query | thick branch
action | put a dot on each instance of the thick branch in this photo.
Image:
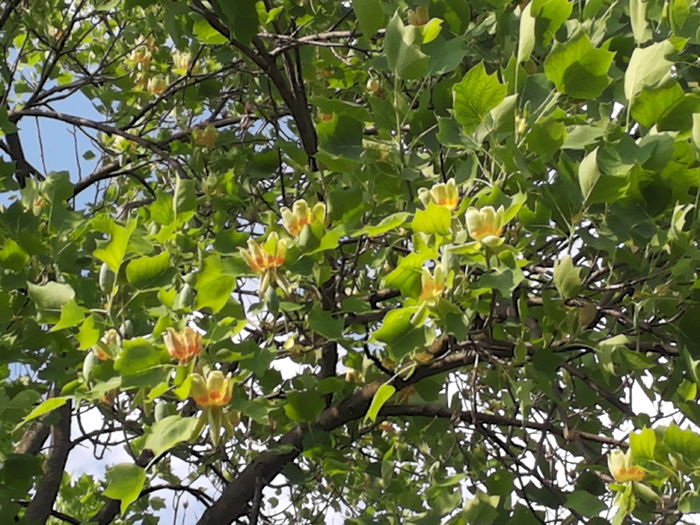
(237, 495)
(33, 438)
(40, 507)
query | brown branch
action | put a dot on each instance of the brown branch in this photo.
(39, 509)
(237, 495)
(33, 438)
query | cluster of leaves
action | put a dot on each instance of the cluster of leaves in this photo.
(393, 367)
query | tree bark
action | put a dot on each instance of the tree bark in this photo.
(40, 507)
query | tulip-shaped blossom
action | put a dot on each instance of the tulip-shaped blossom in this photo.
(300, 215)
(183, 345)
(205, 136)
(108, 346)
(266, 257)
(486, 225)
(442, 194)
(214, 391)
(432, 285)
(621, 467)
(157, 85)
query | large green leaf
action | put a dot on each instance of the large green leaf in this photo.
(303, 406)
(434, 219)
(648, 66)
(214, 284)
(577, 68)
(169, 432)
(402, 48)
(136, 356)
(124, 482)
(370, 16)
(381, 396)
(399, 334)
(112, 251)
(150, 272)
(476, 94)
(242, 18)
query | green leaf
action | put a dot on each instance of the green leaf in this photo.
(322, 322)
(643, 444)
(388, 223)
(475, 96)
(184, 200)
(526, 38)
(341, 136)
(647, 67)
(381, 396)
(685, 444)
(402, 49)
(71, 315)
(168, 432)
(653, 102)
(303, 406)
(407, 275)
(577, 68)
(588, 173)
(585, 503)
(434, 219)
(112, 252)
(124, 482)
(46, 406)
(553, 13)
(136, 356)
(13, 257)
(370, 16)
(696, 130)
(242, 18)
(206, 34)
(88, 334)
(214, 285)
(567, 278)
(638, 18)
(50, 298)
(149, 272)
(399, 334)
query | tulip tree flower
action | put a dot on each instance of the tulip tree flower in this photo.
(205, 136)
(266, 259)
(182, 62)
(108, 346)
(300, 215)
(432, 285)
(183, 345)
(157, 85)
(214, 391)
(269, 256)
(621, 467)
(442, 194)
(486, 225)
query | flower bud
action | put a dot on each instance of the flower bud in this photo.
(419, 16)
(621, 467)
(486, 225)
(184, 345)
(215, 391)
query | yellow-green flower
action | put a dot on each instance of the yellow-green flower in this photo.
(300, 215)
(486, 225)
(432, 285)
(215, 391)
(621, 467)
(183, 345)
(442, 194)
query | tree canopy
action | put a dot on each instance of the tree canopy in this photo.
(373, 261)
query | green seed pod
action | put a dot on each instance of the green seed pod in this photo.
(106, 279)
